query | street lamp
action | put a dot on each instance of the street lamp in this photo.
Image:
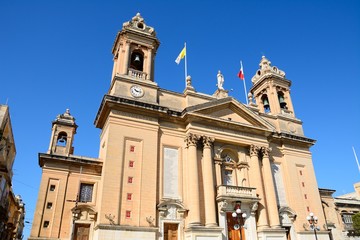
(75, 215)
(239, 218)
(313, 220)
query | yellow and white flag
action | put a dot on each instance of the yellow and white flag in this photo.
(182, 54)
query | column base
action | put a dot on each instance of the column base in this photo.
(210, 225)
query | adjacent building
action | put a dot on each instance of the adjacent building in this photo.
(12, 209)
(183, 165)
(339, 211)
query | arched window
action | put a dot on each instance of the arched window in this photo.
(62, 139)
(265, 102)
(282, 100)
(228, 168)
(137, 61)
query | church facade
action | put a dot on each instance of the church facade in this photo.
(180, 165)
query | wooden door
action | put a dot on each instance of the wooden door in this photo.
(234, 234)
(170, 231)
(82, 232)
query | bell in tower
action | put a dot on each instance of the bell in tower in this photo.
(266, 104)
(137, 61)
(63, 131)
(282, 100)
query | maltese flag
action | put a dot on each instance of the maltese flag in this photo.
(241, 72)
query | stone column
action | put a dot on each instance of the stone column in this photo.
(208, 175)
(193, 182)
(270, 189)
(256, 181)
(126, 58)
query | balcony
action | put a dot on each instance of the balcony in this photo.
(236, 193)
(137, 74)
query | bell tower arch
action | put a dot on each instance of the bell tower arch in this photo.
(271, 90)
(62, 137)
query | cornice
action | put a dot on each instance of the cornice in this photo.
(93, 164)
(293, 138)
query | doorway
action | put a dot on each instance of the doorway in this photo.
(82, 231)
(171, 231)
(235, 233)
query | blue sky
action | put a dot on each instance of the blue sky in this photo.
(57, 54)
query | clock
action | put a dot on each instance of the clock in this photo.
(228, 158)
(136, 91)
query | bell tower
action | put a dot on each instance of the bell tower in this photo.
(63, 131)
(134, 53)
(271, 90)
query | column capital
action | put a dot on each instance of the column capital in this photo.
(265, 151)
(191, 139)
(254, 150)
(207, 141)
(254, 207)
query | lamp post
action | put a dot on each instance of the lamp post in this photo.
(313, 220)
(239, 218)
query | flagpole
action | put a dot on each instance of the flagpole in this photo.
(356, 158)
(185, 63)
(246, 97)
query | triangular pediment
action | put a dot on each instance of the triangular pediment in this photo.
(231, 111)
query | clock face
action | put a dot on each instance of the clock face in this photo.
(137, 91)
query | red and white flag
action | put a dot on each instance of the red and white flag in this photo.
(241, 72)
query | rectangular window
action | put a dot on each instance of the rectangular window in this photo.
(305, 196)
(131, 164)
(308, 209)
(46, 224)
(52, 188)
(128, 214)
(130, 179)
(300, 173)
(129, 196)
(49, 205)
(86, 192)
(303, 184)
(132, 148)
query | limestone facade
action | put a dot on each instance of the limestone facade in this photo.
(12, 208)
(339, 211)
(180, 165)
